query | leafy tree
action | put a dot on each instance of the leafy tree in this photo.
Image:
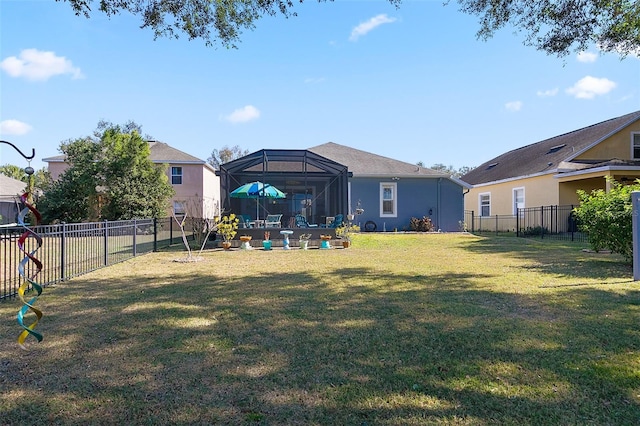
(553, 26)
(606, 217)
(111, 177)
(134, 185)
(449, 169)
(226, 154)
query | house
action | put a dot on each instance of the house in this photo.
(549, 172)
(197, 188)
(10, 191)
(331, 179)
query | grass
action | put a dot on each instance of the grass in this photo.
(398, 330)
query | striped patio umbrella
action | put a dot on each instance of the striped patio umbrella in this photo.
(257, 190)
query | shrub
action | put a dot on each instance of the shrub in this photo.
(535, 231)
(421, 225)
(607, 218)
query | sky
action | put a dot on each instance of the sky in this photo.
(411, 83)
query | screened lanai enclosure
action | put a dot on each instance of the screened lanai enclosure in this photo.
(315, 186)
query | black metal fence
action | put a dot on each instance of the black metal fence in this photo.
(553, 222)
(69, 250)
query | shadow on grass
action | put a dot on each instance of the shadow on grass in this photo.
(352, 346)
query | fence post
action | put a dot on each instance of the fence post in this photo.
(170, 232)
(473, 221)
(106, 243)
(517, 221)
(63, 249)
(542, 222)
(135, 234)
(635, 230)
(155, 234)
(572, 224)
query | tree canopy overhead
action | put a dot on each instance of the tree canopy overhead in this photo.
(554, 26)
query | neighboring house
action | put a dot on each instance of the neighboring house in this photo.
(197, 188)
(551, 171)
(331, 179)
(10, 191)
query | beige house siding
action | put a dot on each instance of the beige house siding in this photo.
(617, 145)
(56, 168)
(605, 152)
(568, 188)
(199, 192)
(538, 191)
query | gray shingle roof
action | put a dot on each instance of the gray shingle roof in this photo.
(362, 163)
(10, 187)
(547, 155)
(160, 152)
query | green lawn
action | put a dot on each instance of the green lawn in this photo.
(397, 330)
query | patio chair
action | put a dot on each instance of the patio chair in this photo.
(337, 221)
(245, 221)
(301, 222)
(273, 221)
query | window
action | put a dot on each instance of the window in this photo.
(518, 199)
(388, 200)
(485, 204)
(176, 175)
(635, 146)
(178, 207)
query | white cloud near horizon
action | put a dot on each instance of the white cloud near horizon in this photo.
(587, 57)
(14, 127)
(547, 93)
(513, 106)
(37, 65)
(243, 115)
(589, 87)
(365, 27)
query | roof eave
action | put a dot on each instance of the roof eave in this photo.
(597, 170)
(511, 179)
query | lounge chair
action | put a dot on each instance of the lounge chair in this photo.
(337, 221)
(245, 221)
(301, 222)
(273, 221)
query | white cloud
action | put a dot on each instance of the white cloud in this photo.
(370, 25)
(242, 115)
(14, 127)
(314, 80)
(587, 57)
(513, 105)
(37, 65)
(547, 93)
(590, 87)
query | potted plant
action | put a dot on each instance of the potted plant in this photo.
(325, 244)
(304, 241)
(227, 228)
(266, 243)
(245, 245)
(345, 232)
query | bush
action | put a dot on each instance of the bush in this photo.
(534, 231)
(421, 225)
(607, 218)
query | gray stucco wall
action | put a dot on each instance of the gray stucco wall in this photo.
(415, 197)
